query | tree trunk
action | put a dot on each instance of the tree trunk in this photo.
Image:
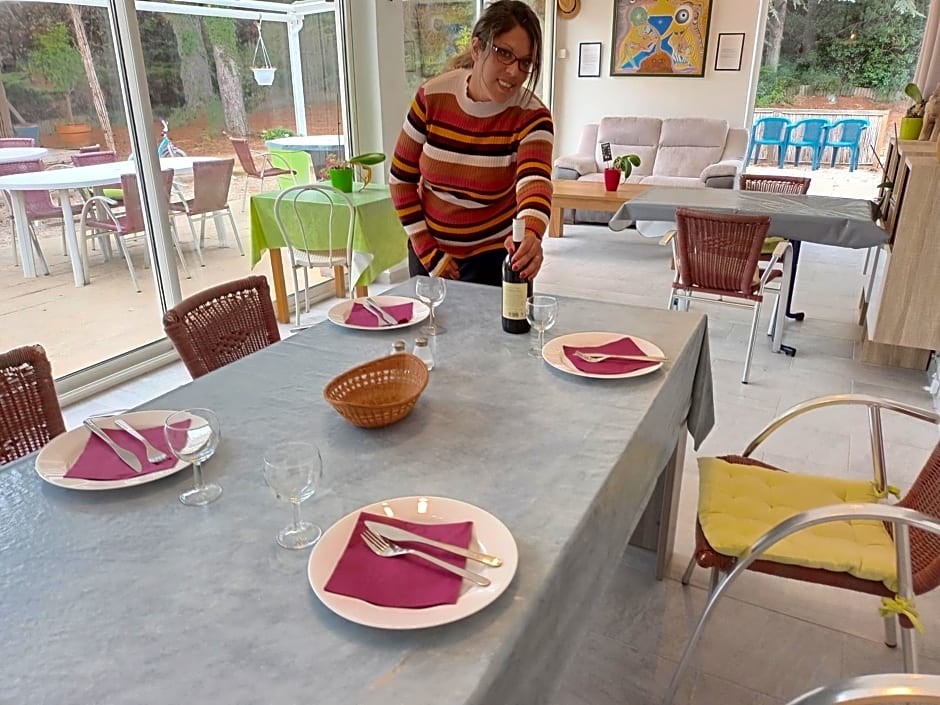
(97, 95)
(809, 32)
(6, 122)
(194, 61)
(221, 36)
(775, 21)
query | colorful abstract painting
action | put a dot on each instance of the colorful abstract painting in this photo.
(660, 37)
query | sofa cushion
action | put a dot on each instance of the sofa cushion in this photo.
(630, 135)
(688, 145)
(680, 181)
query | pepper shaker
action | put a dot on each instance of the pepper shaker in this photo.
(423, 352)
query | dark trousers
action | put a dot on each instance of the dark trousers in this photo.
(484, 268)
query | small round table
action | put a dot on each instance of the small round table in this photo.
(19, 154)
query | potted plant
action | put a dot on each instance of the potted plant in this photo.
(913, 121)
(56, 65)
(340, 171)
(622, 165)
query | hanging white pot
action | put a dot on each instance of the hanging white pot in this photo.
(263, 70)
(264, 75)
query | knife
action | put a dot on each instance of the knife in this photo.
(129, 458)
(395, 534)
(371, 305)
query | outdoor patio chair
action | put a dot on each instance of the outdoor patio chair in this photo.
(17, 142)
(89, 158)
(748, 510)
(846, 134)
(247, 159)
(222, 324)
(770, 132)
(211, 181)
(30, 415)
(809, 133)
(89, 148)
(307, 250)
(716, 258)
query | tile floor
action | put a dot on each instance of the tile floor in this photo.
(770, 639)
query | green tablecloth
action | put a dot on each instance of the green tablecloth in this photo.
(379, 240)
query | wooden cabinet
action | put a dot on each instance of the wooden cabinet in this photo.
(901, 294)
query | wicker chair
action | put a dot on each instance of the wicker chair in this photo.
(30, 414)
(247, 159)
(716, 257)
(222, 324)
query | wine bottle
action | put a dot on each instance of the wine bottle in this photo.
(516, 290)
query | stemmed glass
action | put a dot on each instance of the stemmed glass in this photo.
(193, 436)
(540, 312)
(293, 472)
(431, 291)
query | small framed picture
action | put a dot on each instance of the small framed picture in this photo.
(589, 60)
(729, 52)
(605, 152)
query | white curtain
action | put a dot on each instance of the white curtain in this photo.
(927, 75)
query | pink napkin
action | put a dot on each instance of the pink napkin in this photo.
(623, 346)
(98, 462)
(361, 316)
(403, 581)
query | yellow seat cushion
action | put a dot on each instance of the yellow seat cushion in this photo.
(770, 244)
(740, 503)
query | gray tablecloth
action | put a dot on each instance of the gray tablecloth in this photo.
(844, 222)
(129, 597)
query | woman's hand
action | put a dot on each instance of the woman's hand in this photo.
(527, 260)
(450, 270)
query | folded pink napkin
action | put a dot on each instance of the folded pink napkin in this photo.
(403, 581)
(623, 346)
(98, 462)
(361, 316)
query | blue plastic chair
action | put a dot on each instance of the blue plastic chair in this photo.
(812, 134)
(848, 134)
(770, 131)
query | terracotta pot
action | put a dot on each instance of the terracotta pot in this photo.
(612, 179)
(73, 134)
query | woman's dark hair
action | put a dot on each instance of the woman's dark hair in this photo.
(498, 18)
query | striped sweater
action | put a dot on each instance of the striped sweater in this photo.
(463, 170)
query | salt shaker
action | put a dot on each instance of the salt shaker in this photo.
(398, 347)
(423, 352)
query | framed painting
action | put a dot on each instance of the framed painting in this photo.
(660, 37)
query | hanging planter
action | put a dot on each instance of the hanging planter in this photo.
(263, 71)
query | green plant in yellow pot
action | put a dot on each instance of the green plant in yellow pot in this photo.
(913, 121)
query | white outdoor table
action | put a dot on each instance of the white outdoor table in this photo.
(311, 144)
(129, 597)
(18, 154)
(63, 180)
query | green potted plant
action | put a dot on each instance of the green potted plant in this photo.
(340, 171)
(913, 121)
(621, 165)
(56, 65)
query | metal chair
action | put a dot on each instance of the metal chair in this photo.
(809, 133)
(885, 688)
(716, 257)
(17, 142)
(222, 324)
(211, 181)
(307, 252)
(771, 132)
(846, 134)
(247, 159)
(30, 415)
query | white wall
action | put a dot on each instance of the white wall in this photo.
(719, 94)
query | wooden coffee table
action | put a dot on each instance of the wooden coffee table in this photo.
(587, 194)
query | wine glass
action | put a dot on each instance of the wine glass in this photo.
(431, 291)
(193, 436)
(540, 312)
(293, 471)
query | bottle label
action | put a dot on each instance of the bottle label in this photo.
(514, 298)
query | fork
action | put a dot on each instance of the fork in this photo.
(154, 455)
(387, 549)
(599, 357)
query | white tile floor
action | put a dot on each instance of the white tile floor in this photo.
(772, 639)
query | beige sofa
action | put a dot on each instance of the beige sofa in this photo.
(697, 152)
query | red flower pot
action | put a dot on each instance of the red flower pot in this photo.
(612, 179)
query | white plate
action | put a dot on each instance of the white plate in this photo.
(554, 354)
(59, 454)
(340, 311)
(490, 535)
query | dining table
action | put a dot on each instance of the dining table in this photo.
(379, 240)
(128, 596)
(314, 145)
(18, 154)
(63, 181)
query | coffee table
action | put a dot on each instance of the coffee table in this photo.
(587, 194)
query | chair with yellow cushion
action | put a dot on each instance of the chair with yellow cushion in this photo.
(742, 500)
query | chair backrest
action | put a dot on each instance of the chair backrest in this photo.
(243, 152)
(17, 142)
(89, 158)
(883, 688)
(924, 496)
(29, 409)
(132, 220)
(771, 128)
(211, 181)
(849, 130)
(719, 251)
(222, 324)
(810, 130)
(775, 184)
(89, 148)
(39, 204)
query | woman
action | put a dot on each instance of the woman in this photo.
(475, 153)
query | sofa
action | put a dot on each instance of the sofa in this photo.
(696, 152)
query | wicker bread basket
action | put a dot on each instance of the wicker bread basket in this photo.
(379, 392)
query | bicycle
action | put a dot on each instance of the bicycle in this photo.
(166, 148)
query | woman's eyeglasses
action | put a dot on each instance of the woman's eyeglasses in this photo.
(507, 58)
